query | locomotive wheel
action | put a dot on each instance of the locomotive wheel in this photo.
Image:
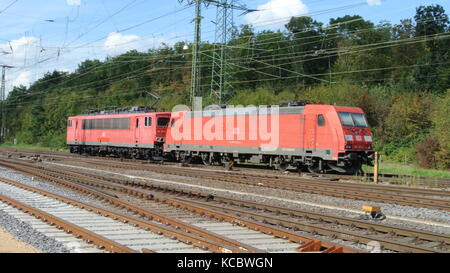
(282, 166)
(314, 169)
(355, 168)
(217, 161)
(186, 159)
(206, 160)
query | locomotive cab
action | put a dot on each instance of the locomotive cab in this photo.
(358, 140)
(336, 138)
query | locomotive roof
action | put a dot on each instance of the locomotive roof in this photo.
(247, 111)
(266, 110)
(120, 113)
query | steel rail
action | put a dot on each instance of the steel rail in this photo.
(264, 228)
(198, 241)
(373, 227)
(309, 186)
(389, 230)
(69, 155)
(439, 240)
(292, 212)
(395, 245)
(235, 245)
(68, 227)
(289, 180)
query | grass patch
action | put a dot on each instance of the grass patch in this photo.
(32, 147)
(410, 170)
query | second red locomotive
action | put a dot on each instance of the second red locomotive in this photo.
(126, 133)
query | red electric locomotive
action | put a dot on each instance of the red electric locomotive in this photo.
(316, 137)
(130, 133)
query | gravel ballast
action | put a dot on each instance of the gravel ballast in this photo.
(412, 217)
(24, 232)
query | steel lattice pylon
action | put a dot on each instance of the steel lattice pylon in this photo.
(2, 104)
(224, 31)
(220, 78)
(195, 73)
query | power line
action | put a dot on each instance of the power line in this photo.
(344, 51)
(2, 103)
(7, 7)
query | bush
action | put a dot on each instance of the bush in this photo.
(408, 119)
(426, 152)
(404, 155)
(440, 117)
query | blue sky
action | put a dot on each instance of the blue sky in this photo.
(38, 36)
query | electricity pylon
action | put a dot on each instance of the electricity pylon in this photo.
(221, 66)
(224, 28)
(2, 104)
(195, 72)
(220, 71)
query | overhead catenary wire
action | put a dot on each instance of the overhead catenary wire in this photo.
(288, 63)
(276, 55)
(125, 92)
(142, 23)
(352, 20)
(290, 77)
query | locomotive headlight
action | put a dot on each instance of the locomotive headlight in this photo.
(349, 137)
(348, 146)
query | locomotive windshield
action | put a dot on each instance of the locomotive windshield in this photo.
(352, 119)
(163, 121)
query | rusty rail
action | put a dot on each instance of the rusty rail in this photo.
(373, 227)
(422, 180)
(200, 242)
(68, 227)
(384, 194)
(264, 228)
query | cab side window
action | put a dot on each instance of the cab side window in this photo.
(148, 121)
(69, 123)
(320, 120)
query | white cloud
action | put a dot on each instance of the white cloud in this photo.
(20, 47)
(276, 12)
(21, 52)
(24, 78)
(73, 2)
(119, 43)
(32, 59)
(373, 2)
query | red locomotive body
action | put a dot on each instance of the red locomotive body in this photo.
(138, 135)
(319, 137)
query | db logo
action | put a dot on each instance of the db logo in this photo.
(74, 247)
(373, 247)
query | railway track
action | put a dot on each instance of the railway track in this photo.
(416, 197)
(70, 242)
(394, 179)
(387, 178)
(252, 237)
(93, 224)
(351, 230)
